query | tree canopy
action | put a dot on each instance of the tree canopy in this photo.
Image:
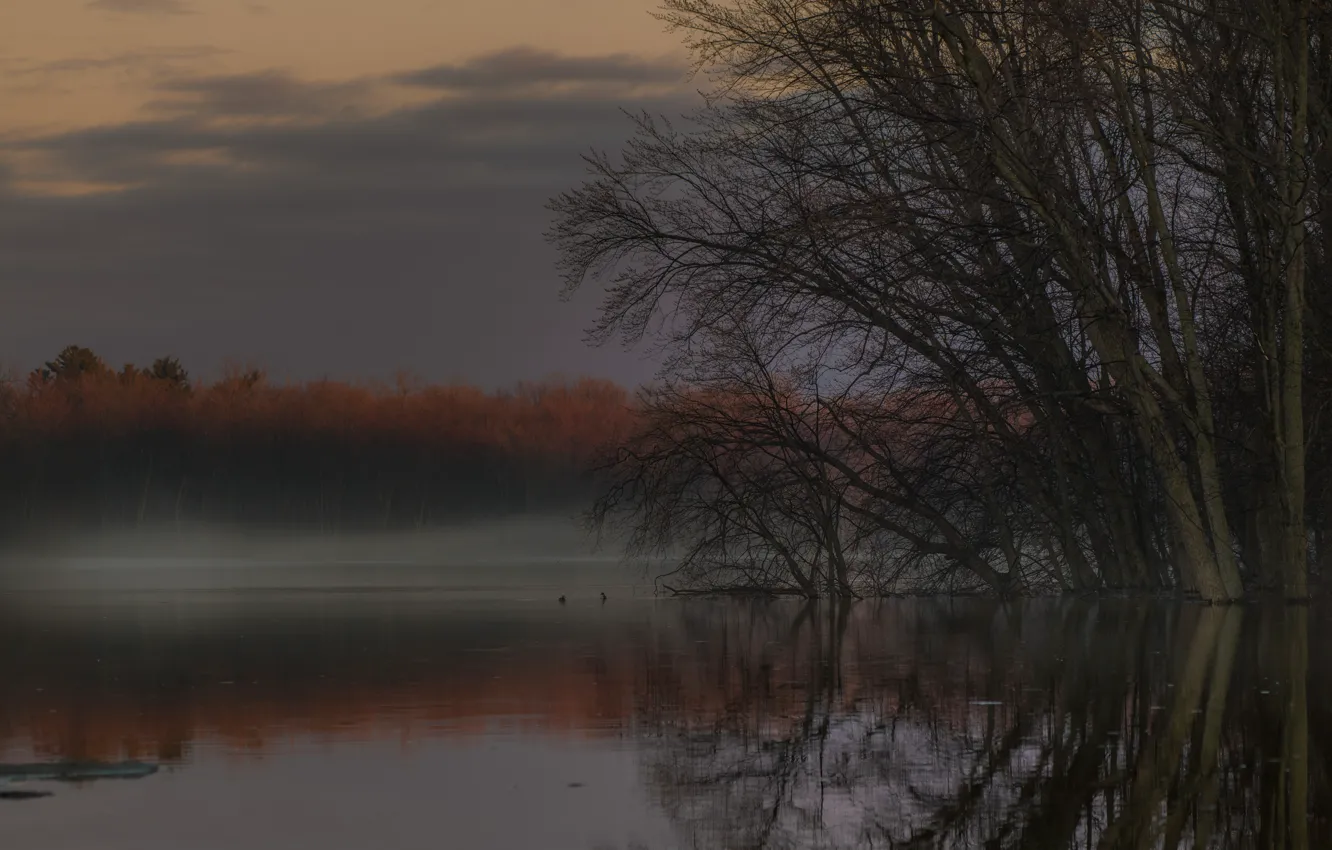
(1047, 274)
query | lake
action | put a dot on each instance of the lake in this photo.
(342, 703)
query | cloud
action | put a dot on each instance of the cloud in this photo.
(263, 94)
(526, 67)
(149, 7)
(151, 60)
(267, 222)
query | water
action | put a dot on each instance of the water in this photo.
(480, 713)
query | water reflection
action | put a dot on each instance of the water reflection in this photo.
(925, 724)
(1111, 726)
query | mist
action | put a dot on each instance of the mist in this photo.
(530, 556)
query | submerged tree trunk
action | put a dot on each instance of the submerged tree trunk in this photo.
(1287, 792)
(1203, 678)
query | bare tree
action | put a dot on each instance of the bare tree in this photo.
(1059, 216)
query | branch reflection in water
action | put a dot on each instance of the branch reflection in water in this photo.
(903, 723)
(1108, 726)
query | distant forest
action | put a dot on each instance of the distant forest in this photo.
(83, 444)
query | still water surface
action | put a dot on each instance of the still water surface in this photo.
(403, 713)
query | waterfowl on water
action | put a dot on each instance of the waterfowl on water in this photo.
(603, 597)
(562, 600)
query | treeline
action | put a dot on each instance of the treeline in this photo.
(81, 443)
(1001, 294)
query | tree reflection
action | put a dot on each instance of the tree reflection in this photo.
(1044, 724)
(1100, 725)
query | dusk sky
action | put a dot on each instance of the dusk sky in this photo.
(318, 187)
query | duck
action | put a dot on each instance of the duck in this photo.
(562, 599)
(603, 596)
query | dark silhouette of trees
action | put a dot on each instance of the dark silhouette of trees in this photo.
(72, 363)
(1092, 232)
(169, 371)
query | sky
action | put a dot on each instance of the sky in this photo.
(322, 188)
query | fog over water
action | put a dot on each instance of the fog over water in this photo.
(524, 555)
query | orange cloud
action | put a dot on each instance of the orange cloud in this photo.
(150, 7)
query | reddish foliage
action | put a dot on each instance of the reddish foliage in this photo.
(126, 446)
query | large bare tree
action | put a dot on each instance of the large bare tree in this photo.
(1083, 224)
